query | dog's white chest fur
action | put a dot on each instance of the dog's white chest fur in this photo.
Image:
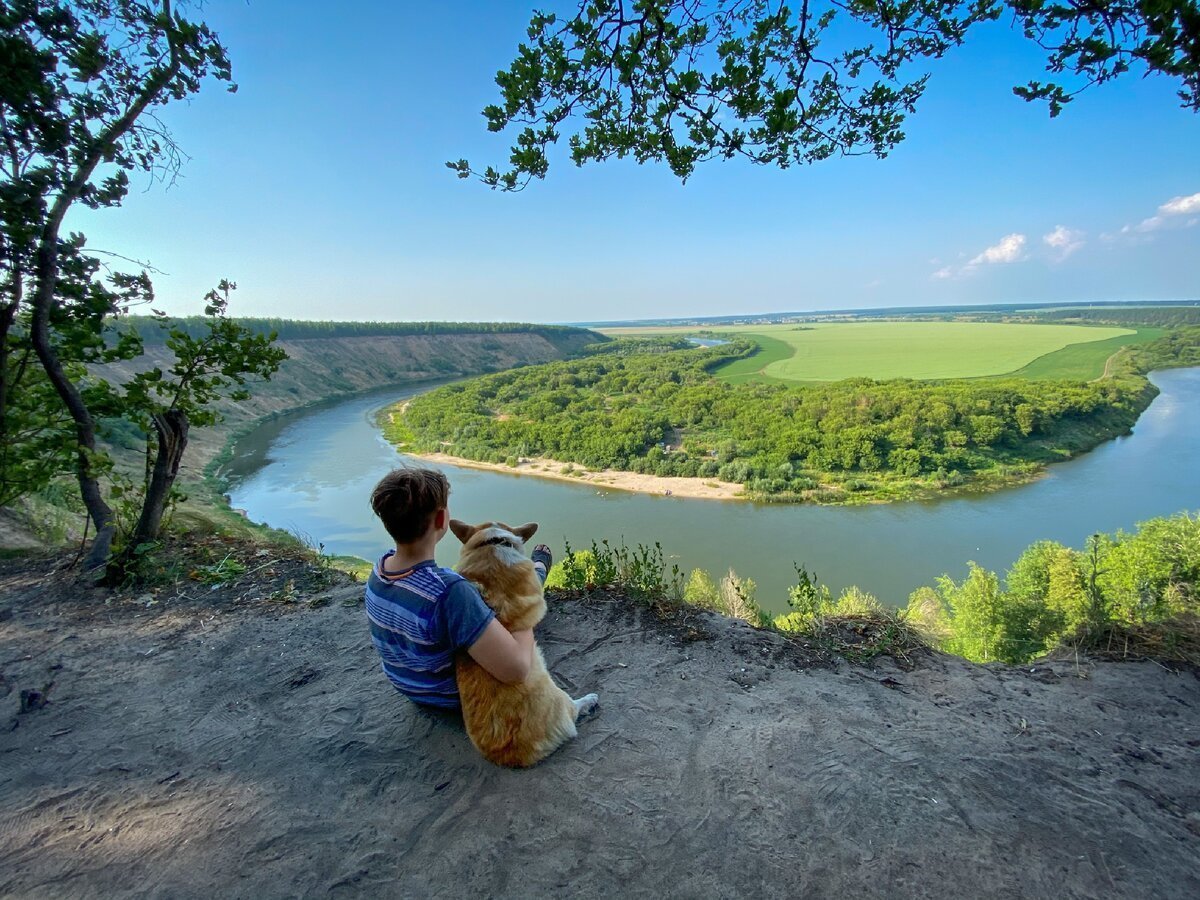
(510, 556)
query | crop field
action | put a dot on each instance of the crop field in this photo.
(1086, 361)
(922, 350)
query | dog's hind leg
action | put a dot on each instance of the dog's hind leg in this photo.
(585, 705)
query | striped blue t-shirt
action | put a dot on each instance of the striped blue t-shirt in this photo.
(419, 618)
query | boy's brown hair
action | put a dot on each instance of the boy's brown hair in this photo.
(406, 499)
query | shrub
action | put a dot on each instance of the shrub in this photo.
(642, 571)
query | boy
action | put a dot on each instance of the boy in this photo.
(420, 613)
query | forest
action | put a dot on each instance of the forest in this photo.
(1177, 348)
(652, 406)
(1127, 315)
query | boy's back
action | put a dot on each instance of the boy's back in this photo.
(420, 613)
(419, 617)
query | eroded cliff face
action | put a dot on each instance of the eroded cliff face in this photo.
(321, 368)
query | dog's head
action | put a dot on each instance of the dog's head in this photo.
(493, 556)
(493, 534)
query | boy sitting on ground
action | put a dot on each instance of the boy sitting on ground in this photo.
(421, 614)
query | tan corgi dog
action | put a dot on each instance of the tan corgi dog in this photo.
(511, 724)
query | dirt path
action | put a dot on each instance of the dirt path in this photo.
(193, 753)
(1108, 364)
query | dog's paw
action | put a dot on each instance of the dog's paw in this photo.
(586, 705)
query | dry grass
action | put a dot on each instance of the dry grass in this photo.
(862, 638)
(1176, 640)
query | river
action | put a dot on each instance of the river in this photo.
(312, 472)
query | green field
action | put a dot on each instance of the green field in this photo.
(771, 351)
(1084, 362)
(922, 350)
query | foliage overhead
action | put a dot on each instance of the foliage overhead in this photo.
(686, 81)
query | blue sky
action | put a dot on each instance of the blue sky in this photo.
(320, 188)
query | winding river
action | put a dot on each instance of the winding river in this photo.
(311, 473)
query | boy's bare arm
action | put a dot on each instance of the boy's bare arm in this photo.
(506, 656)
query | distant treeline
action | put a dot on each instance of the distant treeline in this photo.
(298, 330)
(651, 406)
(1129, 315)
(994, 312)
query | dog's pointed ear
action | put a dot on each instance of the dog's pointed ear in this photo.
(525, 532)
(461, 530)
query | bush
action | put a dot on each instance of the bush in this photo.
(1147, 582)
(701, 591)
(737, 599)
(642, 571)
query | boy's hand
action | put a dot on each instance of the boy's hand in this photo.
(506, 657)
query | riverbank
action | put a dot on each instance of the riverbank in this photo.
(540, 467)
(199, 749)
(823, 445)
(324, 369)
(828, 494)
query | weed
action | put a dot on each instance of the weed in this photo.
(224, 572)
(641, 571)
(285, 594)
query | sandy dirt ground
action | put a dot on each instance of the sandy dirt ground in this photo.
(696, 488)
(259, 752)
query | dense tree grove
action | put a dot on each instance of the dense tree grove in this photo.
(1053, 594)
(1177, 348)
(652, 406)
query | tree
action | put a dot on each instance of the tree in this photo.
(167, 404)
(701, 590)
(78, 92)
(686, 81)
(977, 613)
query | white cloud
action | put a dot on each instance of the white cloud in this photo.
(1180, 206)
(1063, 241)
(1010, 248)
(1168, 214)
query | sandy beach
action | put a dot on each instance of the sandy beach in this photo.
(540, 467)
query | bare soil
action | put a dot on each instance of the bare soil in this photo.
(217, 743)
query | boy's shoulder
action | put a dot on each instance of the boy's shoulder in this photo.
(428, 580)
